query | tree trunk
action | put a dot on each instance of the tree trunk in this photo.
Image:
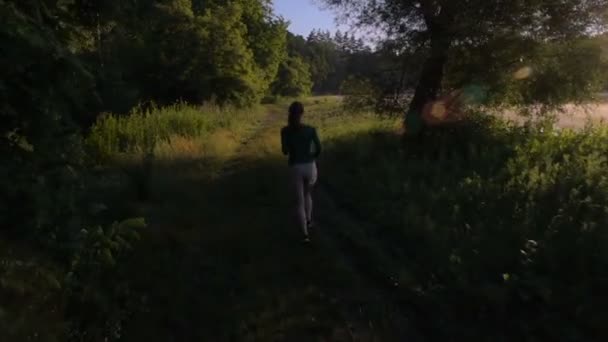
(429, 84)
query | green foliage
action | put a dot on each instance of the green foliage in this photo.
(43, 94)
(31, 288)
(494, 231)
(144, 130)
(293, 79)
(527, 73)
(358, 93)
(502, 226)
(100, 299)
(87, 302)
(323, 56)
(47, 94)
(490, 38)
(228, 52)
(332, 59)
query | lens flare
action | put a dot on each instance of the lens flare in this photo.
(439, 110)
(523, 73)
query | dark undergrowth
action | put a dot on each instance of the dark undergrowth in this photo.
(491, 232)
(223, 260)
(223, 263)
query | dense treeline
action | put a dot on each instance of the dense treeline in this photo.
(196, 51)
(65, 62)
(331, 57)
(334, 59)
(528, 73)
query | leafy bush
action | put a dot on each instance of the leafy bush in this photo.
(40, 144)
(31, 289)
(494, 232)
(45, 95)
(293, 78)
(99, 297)
(359, 93)
(86, 300)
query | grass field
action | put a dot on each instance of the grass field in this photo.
(222, 259)
(454, 237)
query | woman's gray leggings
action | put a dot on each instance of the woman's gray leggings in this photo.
(303, 178)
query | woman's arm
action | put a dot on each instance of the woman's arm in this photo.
(317, 142)
(284, 147)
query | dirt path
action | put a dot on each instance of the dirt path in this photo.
(258, 131)
(371, 298)
(378, 310)
(340, 288)
(227, 262)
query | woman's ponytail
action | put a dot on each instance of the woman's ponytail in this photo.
(295, 114)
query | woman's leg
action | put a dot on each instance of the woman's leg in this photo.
(308, 202)
(299, 191)
(311, 179)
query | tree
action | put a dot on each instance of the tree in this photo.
(293, 79)
(66, 61)
(323, 57)
(169, 50)
(440, 26)
(43, 94)
(333, 59)
(266, 37)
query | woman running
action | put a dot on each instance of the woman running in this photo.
(301, 143)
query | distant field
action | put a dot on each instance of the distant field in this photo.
(574, 116)
(578, 117)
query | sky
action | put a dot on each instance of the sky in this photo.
(305, 15)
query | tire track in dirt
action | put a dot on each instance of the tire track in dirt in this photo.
(342, 232)
(372, 284)
(357, 249)
(257, 132)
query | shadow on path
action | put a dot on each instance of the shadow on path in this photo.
(223, 260)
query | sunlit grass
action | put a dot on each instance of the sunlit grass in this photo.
(180, 131)
(334, 121)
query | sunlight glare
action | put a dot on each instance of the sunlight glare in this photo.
(523, 73)
(439, 110)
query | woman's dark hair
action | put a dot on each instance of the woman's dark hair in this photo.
(295, 114)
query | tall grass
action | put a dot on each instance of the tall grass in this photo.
(497, 231)
(179, 128)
